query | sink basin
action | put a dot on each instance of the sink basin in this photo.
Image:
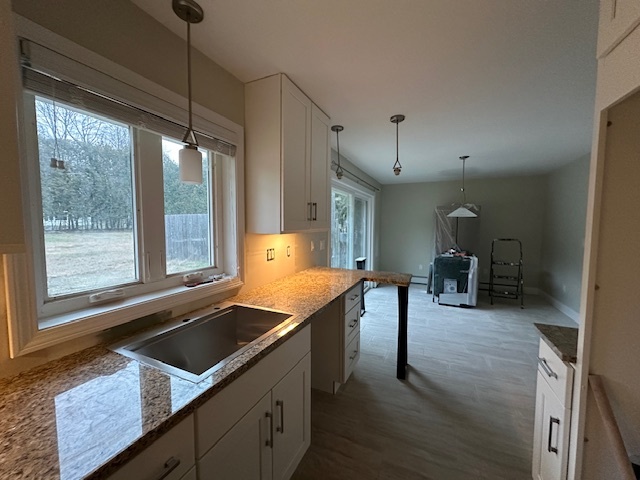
(195, 348)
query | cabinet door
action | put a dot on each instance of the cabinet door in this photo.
(296, 149)
(244, 452)
(551, 435)
(320, 168)
(617, 19)
(291, 419)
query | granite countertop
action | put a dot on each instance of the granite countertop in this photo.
(562, 340)
(88, 413)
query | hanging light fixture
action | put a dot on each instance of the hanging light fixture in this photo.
(396, 166)
(338, 129)
(462, 210)
(190, 159)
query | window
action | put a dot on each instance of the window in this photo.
(350, 226)
(188, 214)
(111, 230)
(87, 200)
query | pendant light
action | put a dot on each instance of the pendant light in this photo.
(190, 159)
(462, 210)
(396, 166)
(338, 129)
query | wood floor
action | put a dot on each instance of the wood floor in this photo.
(465, 410)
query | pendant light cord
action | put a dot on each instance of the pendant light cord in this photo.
(397, 143)
(189, 70)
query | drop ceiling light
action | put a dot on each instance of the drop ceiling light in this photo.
(463, 210)
(396, 166)
(190, 159)
(338, 129)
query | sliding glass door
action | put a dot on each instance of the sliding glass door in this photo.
(351, 214)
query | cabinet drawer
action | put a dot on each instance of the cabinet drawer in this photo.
(172, 455)
(351, 324)
(352, 298)
(558, 374)
(351, 356)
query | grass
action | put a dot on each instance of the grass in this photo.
(78, 261)
(87, 260)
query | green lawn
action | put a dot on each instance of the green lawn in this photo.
(86, 260)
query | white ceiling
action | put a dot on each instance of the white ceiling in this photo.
(509, 82)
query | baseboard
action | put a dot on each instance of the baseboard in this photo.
(569, 312)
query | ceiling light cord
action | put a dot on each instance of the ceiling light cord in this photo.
(190, 135)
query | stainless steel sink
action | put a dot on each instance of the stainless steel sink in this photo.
(194, 348)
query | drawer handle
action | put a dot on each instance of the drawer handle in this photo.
(547, 369)
(309, 216)
(354, 323)
(280, 404)
(355, 354)
(354, 297)
(269, 442)
(552, 420)
(169, 466)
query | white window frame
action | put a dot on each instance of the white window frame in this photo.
(348, 186)
(26, 334)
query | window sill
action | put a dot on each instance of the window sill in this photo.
(27, 336)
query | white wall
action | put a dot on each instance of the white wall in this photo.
(563, 235)
(512, 207)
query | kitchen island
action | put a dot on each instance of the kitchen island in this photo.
(87, 414)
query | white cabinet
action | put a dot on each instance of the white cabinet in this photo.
(335, 349)
(617, 19)
(171, 457)
(287, 159)
(245, 452)
(259, 427)
(552, 416)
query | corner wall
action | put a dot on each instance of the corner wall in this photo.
(564, 234)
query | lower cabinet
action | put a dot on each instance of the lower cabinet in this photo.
(335, 346)
(268, 439)
(552, 416)
(171, 457)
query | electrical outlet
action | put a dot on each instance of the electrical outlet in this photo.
(271, 254)
(321, 245)
(420, 267)
(313, 246)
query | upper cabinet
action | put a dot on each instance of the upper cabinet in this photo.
(287, 159)
(617, 19)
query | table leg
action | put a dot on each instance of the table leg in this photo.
(403, 307)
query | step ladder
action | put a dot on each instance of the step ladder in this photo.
(505, 279)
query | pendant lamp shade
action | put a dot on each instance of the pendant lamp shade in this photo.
(190, 162)
(462, 211)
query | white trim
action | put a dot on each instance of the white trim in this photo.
(24, 337)
(22, 316)
(569, 312)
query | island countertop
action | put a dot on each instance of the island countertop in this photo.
(88, 413)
